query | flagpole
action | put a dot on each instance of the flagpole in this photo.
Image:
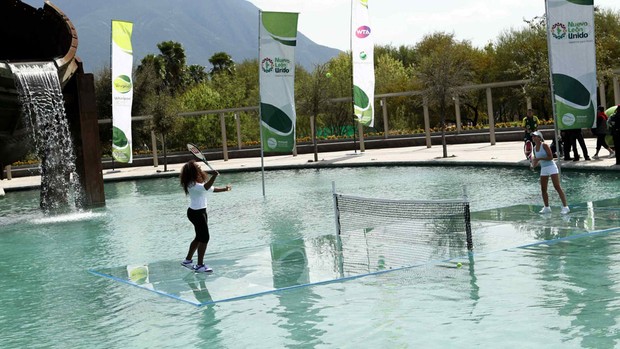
(553, 108)
(352, 80)
(112, 79)
(260, 114)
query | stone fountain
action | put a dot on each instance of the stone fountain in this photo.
(40, 37)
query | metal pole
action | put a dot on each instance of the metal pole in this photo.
(154, 147)
(238, 122)
(491, 117)
(260, 117)
(385, 117)
(224, 140)
(427, 122)
(555, 121)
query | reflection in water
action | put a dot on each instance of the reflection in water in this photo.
(299, 313)
(580, 272)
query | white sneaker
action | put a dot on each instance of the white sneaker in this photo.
(187, 263)
(545, 209)
(565, 210)
(202, 268)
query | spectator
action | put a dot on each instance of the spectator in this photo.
(530, 124)
(600, 131)
(614, 128)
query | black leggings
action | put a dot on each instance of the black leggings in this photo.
(200, 221)
(600, 142)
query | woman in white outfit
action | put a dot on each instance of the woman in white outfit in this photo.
(548, 168)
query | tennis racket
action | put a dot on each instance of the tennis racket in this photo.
(197, 153)
(527, 150)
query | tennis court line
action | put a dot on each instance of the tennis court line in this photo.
(357, 276)
(129, 282)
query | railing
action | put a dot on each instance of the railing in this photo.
(383, 103)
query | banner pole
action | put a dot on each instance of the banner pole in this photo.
(260, 114)
(553, 108)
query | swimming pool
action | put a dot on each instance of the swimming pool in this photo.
(559, 295)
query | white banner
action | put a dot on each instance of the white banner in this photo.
(277, 40)
(572, 61)
(362, 49)
(122, 90)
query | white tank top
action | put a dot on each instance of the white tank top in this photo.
(198, 195)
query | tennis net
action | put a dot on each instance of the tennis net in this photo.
(380, 234)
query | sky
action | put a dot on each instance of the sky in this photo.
(405, 22)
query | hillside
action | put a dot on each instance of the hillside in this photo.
(202, 27)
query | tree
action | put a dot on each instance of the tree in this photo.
(197, 74)
(222, 63)
(173, 58)
(164, 111)
(313, 95)
(522, 54)
(440, 73)
(607, 43)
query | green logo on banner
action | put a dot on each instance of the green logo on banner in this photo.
(122, 84)
(573, 103)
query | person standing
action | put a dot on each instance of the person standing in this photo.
(529, 124)
(197, 184)
(548, 168)
(614, 129)
(601, 131)
(578, 137)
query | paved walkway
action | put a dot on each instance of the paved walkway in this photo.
(505, 154)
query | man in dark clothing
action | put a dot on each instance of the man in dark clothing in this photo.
(614, 128)
(578, 137)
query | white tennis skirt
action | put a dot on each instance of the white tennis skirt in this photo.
(548, 170)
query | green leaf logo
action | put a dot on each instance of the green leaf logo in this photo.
(276, 118)
(121, 35)
(118, 137)
(122, 84)
(362, 107)
(573, 103)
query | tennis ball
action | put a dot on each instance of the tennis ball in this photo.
(328, 75)
(138, 274)
(458, 265)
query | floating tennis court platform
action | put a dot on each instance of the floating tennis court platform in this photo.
(283, 266)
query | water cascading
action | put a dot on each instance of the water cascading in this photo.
(42, 104)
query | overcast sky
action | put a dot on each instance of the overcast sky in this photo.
(405, 22)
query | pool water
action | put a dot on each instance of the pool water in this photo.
(561, 294)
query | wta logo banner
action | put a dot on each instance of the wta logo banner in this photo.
(363, 32)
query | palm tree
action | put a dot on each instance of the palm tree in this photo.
(222, 62)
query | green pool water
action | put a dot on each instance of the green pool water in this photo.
(513, 291)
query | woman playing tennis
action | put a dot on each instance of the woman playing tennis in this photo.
(548, 168)
(197, 184)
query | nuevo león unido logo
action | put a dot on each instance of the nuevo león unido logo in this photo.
(572, 30)
(277, 65)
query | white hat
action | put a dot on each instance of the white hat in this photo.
(538, 134)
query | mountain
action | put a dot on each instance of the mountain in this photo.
(203, 27)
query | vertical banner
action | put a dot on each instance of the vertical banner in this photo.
(277, 41)
(122, 90)
(572, 62)
(362, 51)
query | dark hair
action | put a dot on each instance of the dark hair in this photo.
(189, 173)
(600, 108)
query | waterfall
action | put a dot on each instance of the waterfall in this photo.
(42, 104)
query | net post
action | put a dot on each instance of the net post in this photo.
(336, 211)
(467, 214)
